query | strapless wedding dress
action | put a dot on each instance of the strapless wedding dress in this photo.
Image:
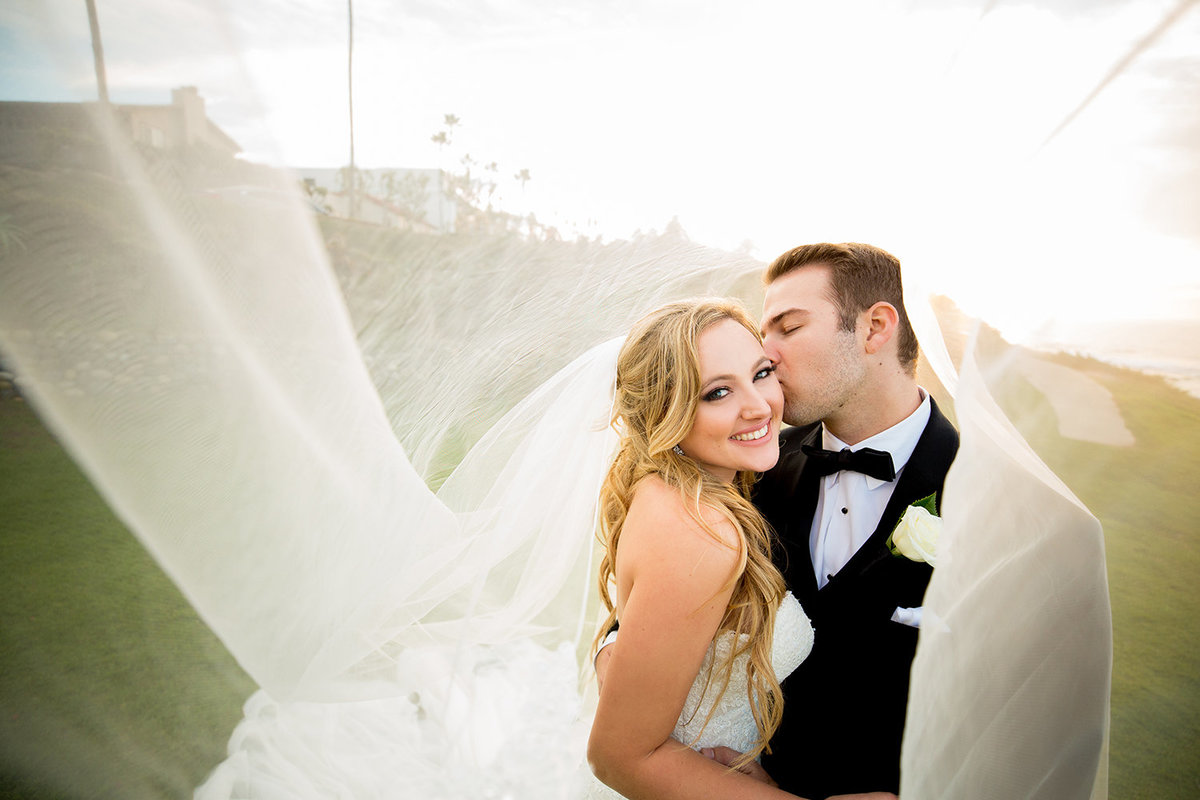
(732, 721)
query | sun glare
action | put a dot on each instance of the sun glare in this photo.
(924, 130)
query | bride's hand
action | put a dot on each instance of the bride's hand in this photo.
(727, 755)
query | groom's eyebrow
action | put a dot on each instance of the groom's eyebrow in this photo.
(774, 321)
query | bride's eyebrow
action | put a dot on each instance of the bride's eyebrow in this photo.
(715, 379)
(722, 378)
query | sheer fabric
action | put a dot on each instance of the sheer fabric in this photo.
(225, 411)
(274, 434)
(1019, 553)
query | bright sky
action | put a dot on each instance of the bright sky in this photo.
(917, 126)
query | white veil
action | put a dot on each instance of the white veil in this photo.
(376, 486)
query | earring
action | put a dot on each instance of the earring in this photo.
(678, 450)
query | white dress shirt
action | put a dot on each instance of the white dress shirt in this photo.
(850, 504)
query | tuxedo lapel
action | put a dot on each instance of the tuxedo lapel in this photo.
(800, 574)
(794, 495)
(922, 476)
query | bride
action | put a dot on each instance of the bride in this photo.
(690, 557)
(707, 630)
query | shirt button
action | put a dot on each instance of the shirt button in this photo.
(845, 511)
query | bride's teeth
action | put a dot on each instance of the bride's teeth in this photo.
(749, 437)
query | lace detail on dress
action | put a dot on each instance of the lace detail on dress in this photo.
(732, 723)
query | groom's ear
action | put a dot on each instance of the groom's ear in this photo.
(881, 322)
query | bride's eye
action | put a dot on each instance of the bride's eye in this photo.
(717, 394)
(764, 372)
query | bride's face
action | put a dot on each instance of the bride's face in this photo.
(737, 421)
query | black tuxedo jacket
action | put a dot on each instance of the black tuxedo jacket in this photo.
(844, 706)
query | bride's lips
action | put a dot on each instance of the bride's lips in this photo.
(754, 436)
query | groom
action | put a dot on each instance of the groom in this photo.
(835, 325)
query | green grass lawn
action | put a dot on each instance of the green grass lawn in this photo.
(110, 686)
(1146, 497)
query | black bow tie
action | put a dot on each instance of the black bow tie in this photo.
(868, 461)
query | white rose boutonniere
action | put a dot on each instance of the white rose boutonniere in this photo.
(916, 534)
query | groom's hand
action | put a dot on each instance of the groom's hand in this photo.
(727, 755)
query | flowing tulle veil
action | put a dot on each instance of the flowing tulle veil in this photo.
(377, 486)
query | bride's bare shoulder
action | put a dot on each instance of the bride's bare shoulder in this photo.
(660, 513)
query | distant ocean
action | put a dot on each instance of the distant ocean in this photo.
(1168, 347)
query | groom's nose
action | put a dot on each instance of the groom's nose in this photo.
(771, 350)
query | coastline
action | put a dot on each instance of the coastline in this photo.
(1182, 374)
(1165, 348)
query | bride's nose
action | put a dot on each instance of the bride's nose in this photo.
(756, 406)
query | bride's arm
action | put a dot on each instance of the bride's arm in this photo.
(674, 582)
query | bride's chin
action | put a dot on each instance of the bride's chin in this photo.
(768, 462)
(760, 464)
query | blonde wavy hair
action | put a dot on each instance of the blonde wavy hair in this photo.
(657, 397)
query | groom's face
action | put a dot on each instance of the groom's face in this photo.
(820, 365)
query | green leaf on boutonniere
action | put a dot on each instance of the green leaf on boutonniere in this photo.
(929, 503)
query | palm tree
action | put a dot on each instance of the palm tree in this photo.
(523, 176)
(443, 138)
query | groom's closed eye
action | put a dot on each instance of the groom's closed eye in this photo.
(793, 323)
(787, 322)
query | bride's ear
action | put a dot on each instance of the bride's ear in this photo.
(880, 323)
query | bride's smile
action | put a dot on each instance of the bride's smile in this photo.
(741, 404)
(752, 436)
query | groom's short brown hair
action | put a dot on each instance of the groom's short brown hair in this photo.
(861, 275)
